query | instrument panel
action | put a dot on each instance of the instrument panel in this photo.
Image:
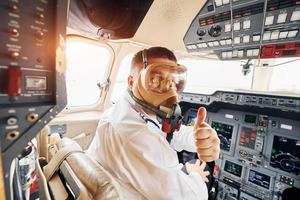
(32, 74)
(260, 146)
(240, 29)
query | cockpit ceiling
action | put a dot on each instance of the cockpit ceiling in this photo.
(166, 23)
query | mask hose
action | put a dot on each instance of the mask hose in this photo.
(170, 122)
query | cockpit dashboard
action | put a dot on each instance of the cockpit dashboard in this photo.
(260, 143)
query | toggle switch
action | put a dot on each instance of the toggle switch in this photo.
(14, 55)
(40, 15)
(39, 35)
(14, 32)
(14, 76)
(14, 8)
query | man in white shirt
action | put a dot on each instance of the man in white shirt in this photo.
(137, 139)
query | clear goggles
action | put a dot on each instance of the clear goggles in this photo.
(163, 78)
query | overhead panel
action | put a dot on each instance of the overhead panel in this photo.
(240, 29)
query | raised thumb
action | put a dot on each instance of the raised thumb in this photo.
(201, 115)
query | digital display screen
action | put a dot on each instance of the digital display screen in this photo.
(285, 154)
(233, 168)
(248, 137)
(224, 132)
(259, 179)
(251, 119)
(36, 82)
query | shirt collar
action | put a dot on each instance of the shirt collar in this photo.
(139, 108)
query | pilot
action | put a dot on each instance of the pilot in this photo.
(137, 138)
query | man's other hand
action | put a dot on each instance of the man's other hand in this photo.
(206, 138)
(197, 168)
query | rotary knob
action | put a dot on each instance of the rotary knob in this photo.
(215, 30)
(201, 32)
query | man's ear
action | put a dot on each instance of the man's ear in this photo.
(130, 82)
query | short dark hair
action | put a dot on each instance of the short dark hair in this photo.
(153, 52)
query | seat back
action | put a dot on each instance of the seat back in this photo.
(72, 174)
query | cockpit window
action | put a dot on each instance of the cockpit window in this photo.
(206, 76)
(121, 80)
(87, 62)
(285, 76)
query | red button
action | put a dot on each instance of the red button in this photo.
(14, 81)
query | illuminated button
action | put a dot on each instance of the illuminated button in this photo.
(225, 2)
(267, 36)
(240, 53)
(275, 35)
(216, 43)
(218, 2)
(256, 38)
(224, 54)
(189, 47)
(283, 34)
(227, 27)
(210, 44)
(246, 24)
(281, 18)
(246, 38)
(292, 34)
(295, 16)
(237, 40)
(14, 32)
(237, 26)
(228, 41)
(234, 53)
(255, 52)
(269, 20)
(223, 42)
(199, 46)
(204, 45)
(249, 53)
(14, 55)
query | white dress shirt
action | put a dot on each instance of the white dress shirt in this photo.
(138, 155)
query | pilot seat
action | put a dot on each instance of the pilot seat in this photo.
(64, 171)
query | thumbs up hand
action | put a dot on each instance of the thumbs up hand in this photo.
(206, 139)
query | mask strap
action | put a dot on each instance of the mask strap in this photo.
(159, 112)
(144, 57)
